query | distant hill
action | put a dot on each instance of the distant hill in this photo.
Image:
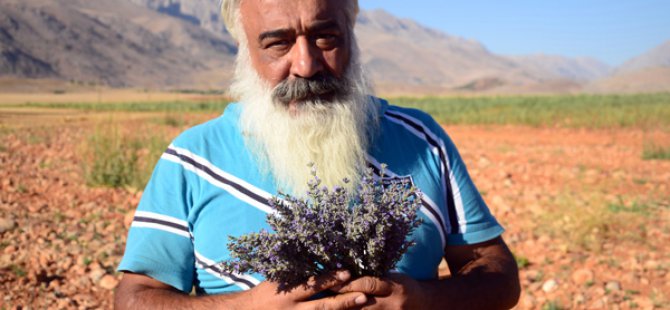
(559, 67)
(112, 42)
(403, 55)
(204, 13)
(649, 72)
(646, 80)
(183, 44)
(654, 58)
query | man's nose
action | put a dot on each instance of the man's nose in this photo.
(307, 59)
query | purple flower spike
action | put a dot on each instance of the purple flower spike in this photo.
(366, 233)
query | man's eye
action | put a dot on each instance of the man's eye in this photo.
(326, 40)
(279, 44)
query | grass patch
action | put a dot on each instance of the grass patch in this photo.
(117, 159)
(18, 271)
(636, 207)
(586, 223)
(521, 261)
(173, 121)
(652, 151)
(573, 111)
(167, 106)
(552, 305)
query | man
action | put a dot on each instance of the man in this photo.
(304, 98)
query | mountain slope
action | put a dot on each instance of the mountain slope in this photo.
(401, 52)
(106, 41)
(649, 72)
(183, 44)
(560, 67)
(654, 58)
(204, 13)
(404, 55)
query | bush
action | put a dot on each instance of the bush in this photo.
(115, 159)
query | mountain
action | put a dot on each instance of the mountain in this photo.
(578, 69)
(648, 72)
(654, 58)
(203, 13)
(112, 42)
(183, 44)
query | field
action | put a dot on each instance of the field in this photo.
(581, 183)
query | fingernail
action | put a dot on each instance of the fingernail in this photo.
(343, 275)
(361, 300)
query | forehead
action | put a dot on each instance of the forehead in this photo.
(264, 15)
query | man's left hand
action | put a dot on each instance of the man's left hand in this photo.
(395, 291)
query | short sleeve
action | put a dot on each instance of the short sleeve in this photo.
(470, 217)
(159, 242)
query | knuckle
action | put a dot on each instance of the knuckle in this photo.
(322, 306)
(370, 285)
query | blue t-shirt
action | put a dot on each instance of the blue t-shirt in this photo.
(207, 186)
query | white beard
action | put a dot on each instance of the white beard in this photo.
(333, 136)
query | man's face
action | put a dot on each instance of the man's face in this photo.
(289, 40)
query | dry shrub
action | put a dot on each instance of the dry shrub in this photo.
(586, 223)
(117, 158)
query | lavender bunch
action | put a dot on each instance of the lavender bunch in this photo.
(330, 230)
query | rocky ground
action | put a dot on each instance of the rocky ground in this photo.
(586, 217)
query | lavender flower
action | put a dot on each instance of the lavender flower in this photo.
(366, 233)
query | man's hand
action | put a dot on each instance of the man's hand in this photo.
(138, 291)
(484, 276)
(267, 295)
(395, 291)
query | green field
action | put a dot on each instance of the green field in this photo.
(139, 106)
(573, 111)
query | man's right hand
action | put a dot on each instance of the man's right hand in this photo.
(138, 291)
(267, 293)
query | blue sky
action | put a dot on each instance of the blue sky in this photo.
(612, 31)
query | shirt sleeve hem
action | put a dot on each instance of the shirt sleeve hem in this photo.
(476, 236)
(168, 276)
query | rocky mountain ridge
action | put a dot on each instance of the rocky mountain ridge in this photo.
(183, 44)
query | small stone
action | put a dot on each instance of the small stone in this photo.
(643, 302)
(543, 239)
(651, 265)
(6, 260)
(533, 275)
(550, 285)
(83, 282)
(65, 263)
(528, 301)
(582, 276)
(63, 304)
(96, 275)
(10, 249)
(598, 304)
(599, 291)
(6, 225)
(613, 286)
(109, 282)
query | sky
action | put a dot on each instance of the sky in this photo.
(612, 31)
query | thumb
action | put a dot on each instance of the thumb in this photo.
(321, 283)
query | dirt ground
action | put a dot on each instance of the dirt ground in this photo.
(586, 217)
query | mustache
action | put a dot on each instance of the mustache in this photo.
(320, 87)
